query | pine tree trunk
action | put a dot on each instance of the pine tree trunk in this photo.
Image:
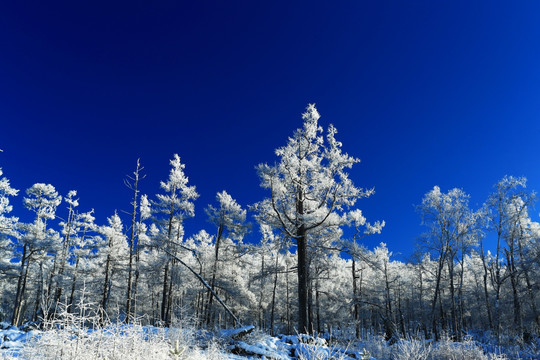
(165, 292)
(318, 306)
(214, 274)
(21, 283)
(165, 298)
(74, 281)
(104, 296)
(168, 314)
(129, 283)
(355, 300)
(303, 278)
(39, 294)
(132, 240)
(388, 298)
(154, 313)
(63, 259)
(73, 284)
(400, 314)
(288, 299)
(272, 332)
(50, 282)
(135, 290)
(260, 309)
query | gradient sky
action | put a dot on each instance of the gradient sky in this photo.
(424, 92)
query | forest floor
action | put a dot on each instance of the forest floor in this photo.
(77, 341)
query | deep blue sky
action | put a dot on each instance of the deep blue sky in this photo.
(426, 93)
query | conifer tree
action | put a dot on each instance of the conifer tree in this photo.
(42, 199)
(229, 219)
(175, 205)
(310, 191)
(7, 224)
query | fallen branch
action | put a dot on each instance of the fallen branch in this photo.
(201, 279)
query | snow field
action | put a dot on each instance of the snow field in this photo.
(121, 341)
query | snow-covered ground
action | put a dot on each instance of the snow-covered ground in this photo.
(139, 342)
(13, 338)
(146, 342)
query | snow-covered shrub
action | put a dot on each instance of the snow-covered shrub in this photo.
(377, 347)
(365, 355)
(111, 342)
(117, 341)
(412, 349)
(415, 349)
(447, 349)
(87, 335)
(314, 352)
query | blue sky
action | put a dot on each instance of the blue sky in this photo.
(425, 93)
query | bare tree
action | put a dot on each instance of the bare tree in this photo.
(451, 225)
(133, 184)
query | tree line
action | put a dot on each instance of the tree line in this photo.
(309, 272)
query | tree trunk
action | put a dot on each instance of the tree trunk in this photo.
(388, 299)
(436, 294)
(135, 285)
(74, 281)
(288, 299)
(104, 296)
(461, 301)
(303, 278)
(355, 300)
(421, 301)
(261, 295)
(21, 285)
(272, 332)
(51, 281)
(498, 279)
(73, 284)
(400, 314)
(133, 239)
(165, 298)
(310, 306)
(214, 274)
(486, 292)
(530, 292)
(63, 259)
(165, 292)
(453, 313)
(201, 279)
(39, 294)
(518, 321)
(130, 266)
(318, 306)
(442, 314)
(168, 315)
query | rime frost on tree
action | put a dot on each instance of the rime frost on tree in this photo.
(6, 190)
(7, 224)
(171, 209)
(311, 192)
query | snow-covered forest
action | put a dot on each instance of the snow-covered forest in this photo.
(308, 272)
